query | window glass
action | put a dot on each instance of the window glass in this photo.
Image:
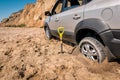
(80, 2)
(58, 8)
(88, 1)
(72, 3)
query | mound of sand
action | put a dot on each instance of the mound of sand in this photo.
(26, 54)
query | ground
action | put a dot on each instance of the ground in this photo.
(26, 54)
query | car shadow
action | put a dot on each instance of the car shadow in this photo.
(116, 60)
(65, 42)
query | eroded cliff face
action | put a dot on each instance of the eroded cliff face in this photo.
(32, 15)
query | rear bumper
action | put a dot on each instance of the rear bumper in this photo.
(111, 39)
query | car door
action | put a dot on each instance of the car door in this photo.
(54, 21)
(72, 14)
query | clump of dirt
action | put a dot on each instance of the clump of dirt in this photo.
(26, 54)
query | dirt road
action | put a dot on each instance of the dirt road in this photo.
(25, 54)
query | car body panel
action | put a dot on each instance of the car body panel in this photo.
(101, 9)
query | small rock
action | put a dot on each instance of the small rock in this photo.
(21, 74)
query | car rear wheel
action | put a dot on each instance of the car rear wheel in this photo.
(92, 49)
(48, 33)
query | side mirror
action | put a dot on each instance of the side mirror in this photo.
(47, 13)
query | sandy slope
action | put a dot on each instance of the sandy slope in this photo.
(25, 54)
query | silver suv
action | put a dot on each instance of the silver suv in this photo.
(92, 24)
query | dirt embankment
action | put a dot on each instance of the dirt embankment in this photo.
(31, 16)
(25, 54)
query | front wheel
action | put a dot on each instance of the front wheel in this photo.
(48, 33)
(92, 49)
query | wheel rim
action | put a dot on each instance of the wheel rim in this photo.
(89, 51)
(47, 32)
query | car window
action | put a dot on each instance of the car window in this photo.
(57, 8)
(73, 3)
(88, 1)
(80, 2)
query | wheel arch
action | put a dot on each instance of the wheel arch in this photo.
(90, 27)
(93, 24)
(46, 25)
(88, 33)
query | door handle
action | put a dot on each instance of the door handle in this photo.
(56, 20)
(76, 17)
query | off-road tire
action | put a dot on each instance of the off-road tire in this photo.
(98, 46)
(48, 33)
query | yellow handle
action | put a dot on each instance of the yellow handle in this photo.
(61, 32)
(61, 36)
